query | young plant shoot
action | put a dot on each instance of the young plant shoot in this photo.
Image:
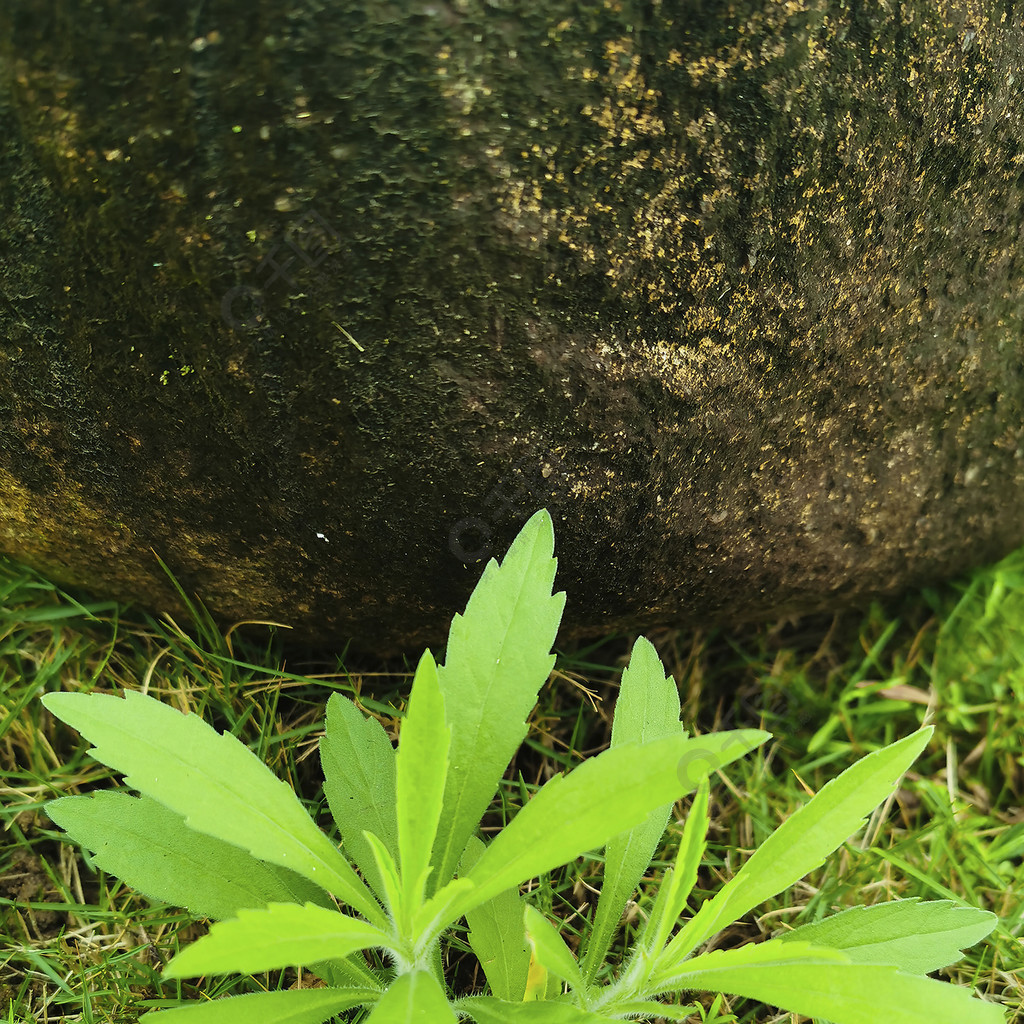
(213, 830)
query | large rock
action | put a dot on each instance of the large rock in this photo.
(318, 301)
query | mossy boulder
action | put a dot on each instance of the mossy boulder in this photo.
(318, 302)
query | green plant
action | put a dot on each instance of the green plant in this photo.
(216, 832)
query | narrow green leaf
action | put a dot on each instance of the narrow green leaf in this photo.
(802, 842)
(663, 1011)
(422, 766)
(301, 1006)
(647, 709)
(281, 935)
(497, 936)
(550, 950)
(387, 871)
(348, 972)
(414, 998)
(496, 662)
(488, 1010)
(150, 847)
(679, 880)
(824, 984)
(441, 910)
(358, 762)
(707, 966)
(916, 937)
(214, 781)
(605, 795)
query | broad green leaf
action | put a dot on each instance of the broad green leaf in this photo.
(678, 881)
(281, 935)
(825, 984)
(414, 998)
(301, 1006)
(496, 935)
(803, 841)
(647, 709)
(214, 781)
(605, 795)
(422, 765)
(550, 950)
(916, 937)
(488, 1010)
(149, 846)
(495, 664)
(358, 762)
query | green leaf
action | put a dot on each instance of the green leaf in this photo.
(301, 1006)
(916, 937)
(823, 983)
(488, 1010)
(550, 950)
(414, 998)
(281, 935)
(358, 762)
(149, 846)
(497, 936)
(387, 870)
(647, 709)
(496, 662)
(441, 910)
(665, 1011)
(605, 795)
(214, 781)
(348, 972)
(802, 842)
(699, 972)
(422, 766)
(678, 881)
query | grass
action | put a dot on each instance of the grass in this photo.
(77, 945)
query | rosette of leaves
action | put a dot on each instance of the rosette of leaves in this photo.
(213, 830)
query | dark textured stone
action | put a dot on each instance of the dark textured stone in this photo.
(317, 300)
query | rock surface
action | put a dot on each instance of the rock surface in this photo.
(319, 302)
